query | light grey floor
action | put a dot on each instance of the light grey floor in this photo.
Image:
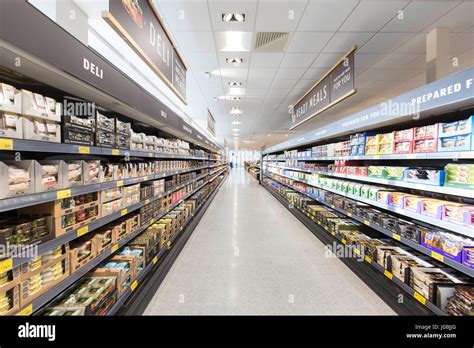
(249, 255)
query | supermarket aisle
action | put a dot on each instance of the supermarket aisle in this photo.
(249, 255)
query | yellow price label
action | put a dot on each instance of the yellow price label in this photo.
(82, 231)
(6, 144)
(344, 241)
(114, 248)
(332, 206)
(145, 178)
(123, 212)
(26, 311)
(388, 274)
(134, 285)
(181, 228)
(326, 228)
(115, 152)
(168, 244)
(147, 201)
(63, 194)
(150, 154)
(368, 259)
(396, 236)
(6, 265)
(349, 214)
(367, 222)
(420, 298)
(319, 222)
(357, 251)
(155, 260)
(333, 233)
(84, 150)
(120, 183)
(437, 256)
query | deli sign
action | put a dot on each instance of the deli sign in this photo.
(336, 85)
(138, 23)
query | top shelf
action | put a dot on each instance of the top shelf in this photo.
(408, 156)
(47, 147)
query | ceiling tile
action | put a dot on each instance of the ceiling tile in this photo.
(297, 60)
(371, 16)
(229, 41)
(259, 83)
(325, 15)
(397, 61)
(416, 44)
(219, 7)
(255, 92)
(265, 60)
(326, 60)
(278, 92)
(314, 74)
(279, 16)
(186, 15)
(261, 73)
(343, 42)
(458, 19)
(366, 60)
(384, 42)
(304, 84)
(289, 73)
(196, 41)
(308, 42)
(234, 73)
(203, 59)
(283, 83)
(417, 16)
(461, 42)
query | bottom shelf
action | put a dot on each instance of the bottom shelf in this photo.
(379, 279)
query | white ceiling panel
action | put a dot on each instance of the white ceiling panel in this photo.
(261, 73)
(326, 60)
(297, 60)
(195, 41)
(186, 15)
(278, 92)
(203, 59)
(308, 42)
(289, 73)
(342, 42)
(279, 16)
(229, 41)
(255, 92)
(259, 83)
(461, 43)
(304, 84)
(314, 74)
(418, 15)
(416, 44)
(384, 42)
(234, 73)
(366, 60)
(372, 16)
(459, 19)
(265, 60)
(298, 92)
(219, 7)
(326, 15)
(283, 83)
(397, 61)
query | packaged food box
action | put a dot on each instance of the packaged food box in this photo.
(17, 178)
(455, 143)
(427, 176)
(413, 203)
(447, 244)
(456, 128)
(458, 213)
(459, 175)
(432, 207)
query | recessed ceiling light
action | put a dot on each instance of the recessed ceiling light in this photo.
(235, 130)
(234, 84)
(235, 123)
(235, 108)
(235, 60)
(233, 17)
(207, 74)
(235, 98)
(268, 135)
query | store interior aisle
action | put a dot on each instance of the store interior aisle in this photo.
(249, 255)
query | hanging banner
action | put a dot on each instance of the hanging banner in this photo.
(336, 85)
(211, 123)
(137, 21)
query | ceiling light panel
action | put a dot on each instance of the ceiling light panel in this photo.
(234, 84)
(219, 7)
(233, 17)
(233, 41)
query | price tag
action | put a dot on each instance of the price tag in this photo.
(411, 155)
(357, 251)
(332, 206)
(367, 222)
(82, 231)
(396, 236)
(326, 228)
(155, 260)
(63, 194)
(368, 259)
(388, 274)
(333, 233)
(114, 248)
(84, 150)
(123, 212)
(147, 201)
(420, 298)
(344, 241)
(134, 285)
(120, 183)
(437, 256)
(376, 156)
(115, 152)
(6, 144)
(150, 154)
(168, 243)
(349, 214)
(6, 265)
(145, 178)
(26, 311)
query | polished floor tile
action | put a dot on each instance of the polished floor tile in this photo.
(249, 255)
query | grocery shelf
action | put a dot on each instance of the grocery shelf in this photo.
(71, 235)
(422, 300)
(156, 261)
(398, 183)
(38, 198)
(458, 228)
(407, 156)
(436, 256)
(56, 290)
(48, 147)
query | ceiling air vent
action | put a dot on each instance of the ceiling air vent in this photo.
(271, 41)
